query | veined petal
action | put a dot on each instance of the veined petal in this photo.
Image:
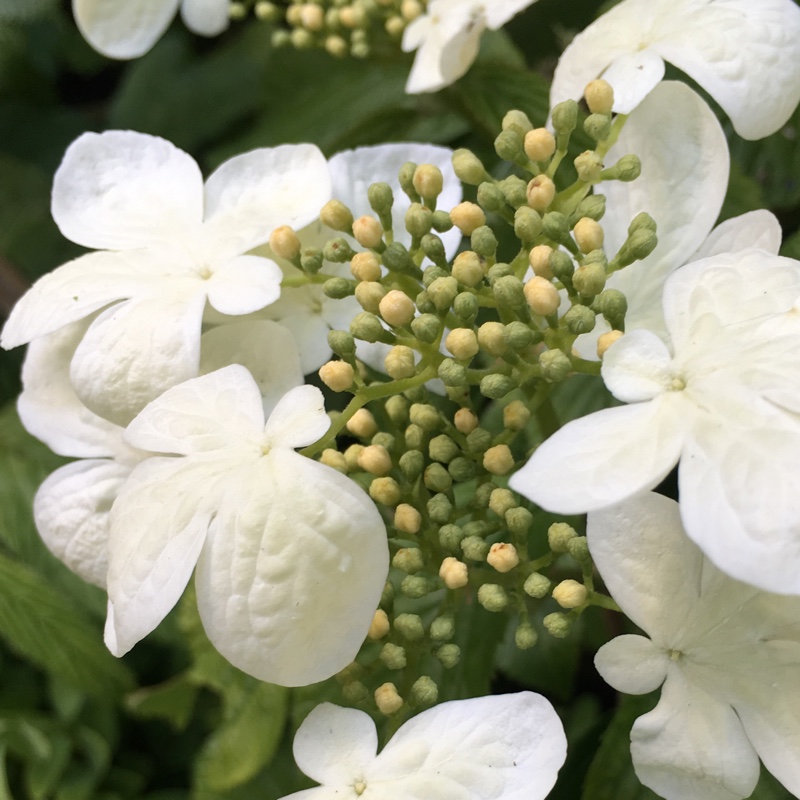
(123, 28)
(758, 229)
(206, 17)
(293, 570)
(692, 747)
(244, 284)
(599, 460)
(121, 190)
(250, 195)
(213, 412)
(637, 367)
(298, 419)
(632, 664)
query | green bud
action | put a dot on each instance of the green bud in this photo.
(580, 319)
(426, 416)
(410, 627)
(443, 292)
(300, 38)
(338, 288)
(498, 271)
(408, 560)
(416, 586)
(627, 169)
(490, 197)
(613, 305)
(280, 38)
(384, 440)
(595, 257)
(578, 548)
(525, 636)
(415, 437)
(353, 671)
(393, 656)
(559, 535)
(483, 494)
(478, 527)
(437, 478)
(342, 343)
(424, 303)
(397, 408)
(449, 655)
(589, 166)
(418, 219)
(518, 336)
(412, 462)
(368, 328)
(558, 624)
(519, 520)
(555, 365)
(474, 548)
(450, 537)
(527, 225)
(468, 167)
(515, 191)
(441, 221)
(508, 145)
(461, 469)
(406, 177)
(466, 306)
(311, 260)
(642, 221)
(598, 126)
(443, 628)
(431, 273)
(355, 692)
(565, 117)
(337, 216)
(338, 251)
(479, 440)
(381, 199)
(424, 692)
(443, 448)
(637, 246)
(562, 266)
(398, 259)
(537, 586)
(426, 327)
(508, 291)
(496, 386)
(484, 242)
(518, 121)
(451, 373)
(555, 226)
(493, 597)
(387, 596)
(593, 207)
(439, 509)
(432, 246)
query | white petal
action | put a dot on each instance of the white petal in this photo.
(265, 348)
(250, 195)
(120, 190)
(632, 664)
(692, 747)
(298, 419)
(244, 284)
(508, 745)
(212, 412)
(334, 745)
(637, 367)
(123, 28)
(310, 332)
(633, 76)
(293, 571)
(206, 17)
(600, 459)
(498, 12)
(759, 229)
(136, 350)
(71, 513)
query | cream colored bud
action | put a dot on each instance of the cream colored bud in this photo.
(498, 460)
(539, 259)
(605, 340)
(284, 242)
(351, 456)
(337, 375)
(336, 46)
(379, 626)
(334, 459)
(397, 308)
(503, 556)
(369, 295)
(539, 144)
(543, 298)
(468, 269)
(362, 424)
(365, 267)
(467, 217)
(428, 181)
(387, 699)
(541, 192)
(570, 594)
(588, 234)
(336, 215)
(465, 421)
(399, 363)
(462, 343)
(407, 519)
(492, 338)
(516, 415)
(376, 460)
(352, 16)
(367, 231)
(501, 500)
(454, 573)
(589, 166)
(410, 9)
(294, 15)
(395, 26)
(385, 491)
(599, 96)
(312, 16)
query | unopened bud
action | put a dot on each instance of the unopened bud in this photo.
(449, 655)
(397, 308)
(410, 627)
(496, 387)
(355, 692)
(558, 624)
(484, 242)
(362, 424)
(627, 169)
(468, 167)
(468, 269)
(593, 206)
(407, 519)
(412, 462)
(540, 144)
(399, 363)
(381, 199)
(578, 548)
(474, 548)
(454, 573)
(613, 305)
(424, 692)
(443, 628)
(375, 459)
(527, 224)
(441, 221)
(337, 375)
(416, 586)
(559, 535)
(338, 288)
(368, 232)
(311, 260)
(465, 421)
(369, 295)
(605, 340)
(467, 217)
(588, 234)
(555, 226)
(365, 267)
(405, 176)
(379, 626)
(418, 219)
(516, 120)
(539, 259)
(493, 597)
(498, 460)
(519, 521)
(580, 319)
(336, 45)
(543, 298)
(385, 491)
(525, 636)
(426, 328)
(437, 478)
(536, 586)
(397, 258)
(491, 197)
(443, 449)
(501, 500)
(589, 166)
(451, 373)
(597, 126)
(462, 343)
(336, 216)
(428, 182)
(351, 456)
(439, 508)
(508, 145)
(565, 117)
(589, 279)
(492, 339)
(426, 416)
(519, 336)
(442, 292)
(570, 594)
(516, 415)
(284, 242)
(450, 537)
(555, 365)
(637, 246)
(393, 656)
(334, 459)
(541, 192)
(466, 306)
(503, 557)
(462, 469)
(599, 96)
(387, 699)
(562, 266)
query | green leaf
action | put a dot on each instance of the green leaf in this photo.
(24, 10)
(172, 701)
(42, 775)
(770, 789)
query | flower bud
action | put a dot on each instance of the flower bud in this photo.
(541, 192)
(437, 478)
(627, 169)
(355, 692)
(450, 537)
(593, 206)
(412, 462)
(589, 279)
(369, 295)
(337, 375)
(451, 373)
(428, 182)
(597, 126)
(496, 387)
(367, 327)
(493, 597)
(449, 655)
(468, 167)
(431, 273)
(442, 292)
(454, 573)
(589, 166)
(559, 535)
(580, 319)
(410, 627)
(462, 343)
(443, 449)
(516, 415)
(555, 365)
(336, 45)
(443, 628)
(426, 416)
(465, 420)
(539, 259)
(368, 232)
(462, 469)
(562, 266)
(536, 586)
(519, 336)
(605, 340)
(508, 145)
(338, 288)
(467, 217)
(424, 692)
(466, 306)
(501, 500)
(393, 656)
(375, 459)
(399, 363)
(351, 456)
(407, 519)
(381, 199)
(385, 491)
(516, 120)
(362, 424)
(565, 117)
(499, 270)
(336, 216)
(384, 440)
(379, 626)
(498, 460)
(543, 298)
(492, 338)
(570, 594)
(503, 557)
(284, 242)
(311, 260)
(588, 234)
(484, 242)
(397, 308)
(555, 226)
(334, 459)
(406, 178)
(519, 521)
(637, 246)
(539, 144)
(416, 586)
(415, 437)
(490, 197)
(441, 221)
(527, 224)
(579, 549)
(509, 291)
(398, 259)
(525, 636)
(599, 96)
(365, 267)
(426, 327)
(439, 508)
(418, 220)
(474, 548)
(558, 624)
(479, 441)
(613, 305)
(468, 269)
(312, 17)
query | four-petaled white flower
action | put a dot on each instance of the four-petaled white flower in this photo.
(129, 28)
(507, 747)
(724, 402)
(291, 555)
(746, 55)
(172, 245)
(728, 656)
(447, 38)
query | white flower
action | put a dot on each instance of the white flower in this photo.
(129, 28)
(173, 244)
(447, 38)
(685, 166)
(507, 746)
(727, 654)
(746, 55)
(724, 402)
(291, 555)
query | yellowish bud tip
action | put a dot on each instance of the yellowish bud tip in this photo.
(503, 556)
(376, 460)
(542, 296)
(467, 217)
(388, 699)
(379, 626)
(397, 308)
(605, 340)
(541, 192)
(462, 343)
(539, 259)
(454, 573)
(498, 460)
(365, 267)
(588, 234)
(362, 424)
(599, 96)
(539, 144)
(465, 421)
(284, 242)
(407, 519)
(337, 375)
(570, 594)
(367, 231)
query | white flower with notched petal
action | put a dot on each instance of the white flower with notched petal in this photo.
(746, 55)
(507, 747)
(172, 244)
(724, 402)
(727, 654)
(447, 38)
(291, 555)
(129, 28)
